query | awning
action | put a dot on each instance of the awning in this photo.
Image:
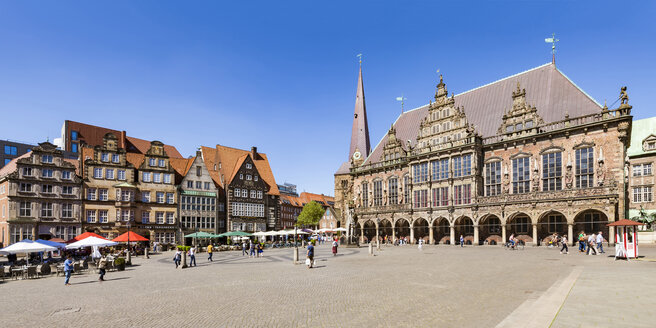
(131, 235)
(198, 193)
(235, 233)
(200, 234)
(51, 243)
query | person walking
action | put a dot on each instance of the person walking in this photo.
(210, 248)
(259, 250)
(68, 269)
(252, 254)
(563, 240)
(462, 241)
(335, 245)
(420, 243)
(310, 255)
(591, 244)
(600, 243)
(192, 256)
(177, 258)
(244, 248)
(581, 242)
(102, 264)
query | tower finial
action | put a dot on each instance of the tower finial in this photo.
(553, 41)
(359, 59)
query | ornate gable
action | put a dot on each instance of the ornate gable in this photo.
(522, 118)
(393, 149)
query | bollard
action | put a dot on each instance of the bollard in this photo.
(295, 255)
(377, 245)
(371, 249)
(146, 253)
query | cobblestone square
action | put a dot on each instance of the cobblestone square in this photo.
(400, 286)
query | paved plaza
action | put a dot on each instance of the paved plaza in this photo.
(440, 286)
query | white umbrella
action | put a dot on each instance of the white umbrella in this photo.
(340, 229)
(27, 247)
(259, 233)
(90, 242)
(271, 233)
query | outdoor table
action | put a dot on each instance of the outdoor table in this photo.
(15, 272)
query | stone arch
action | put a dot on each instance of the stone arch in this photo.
(369, 230)
(489, 229)
(420, 229)
(549, 223)
(591, 221)
(385, 229)
(464, 226)
(442, 230)
(402, 227)
(520, 225)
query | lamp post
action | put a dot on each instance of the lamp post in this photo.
(295, 246)
(129, 261)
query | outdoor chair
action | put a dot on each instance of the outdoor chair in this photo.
(60, 269)
(76, 267)
(2, 272)
(31, 272)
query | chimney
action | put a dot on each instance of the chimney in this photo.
(199, 153)
(254, 152)
(123, 141)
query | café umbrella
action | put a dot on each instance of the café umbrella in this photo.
(27, 246)
(90, 242)
(131, 236)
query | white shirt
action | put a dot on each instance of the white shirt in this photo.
(600, 238)
(192, 251)
(591, 238)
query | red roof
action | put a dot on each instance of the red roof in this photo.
(624, 222)
(133, 237)
(83, 236)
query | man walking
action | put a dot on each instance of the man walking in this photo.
(600, 243)
(592, 247)
(563, 240)
(462, 241)
(177, 258)
(68, 269)
(581, 242)
(210, 248)
(192, 256)
(102, 264)
(252, 254)
(310, 254)
(244, 249)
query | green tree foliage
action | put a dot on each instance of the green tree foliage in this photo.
(310, 215)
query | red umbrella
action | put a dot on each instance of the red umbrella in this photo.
(84, 235)
(133, 237)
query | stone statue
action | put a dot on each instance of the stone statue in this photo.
(536, 180)
(506, 183)
(601, 174)
(568, 177)
(624, 97)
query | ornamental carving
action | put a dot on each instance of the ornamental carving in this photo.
(522, 118)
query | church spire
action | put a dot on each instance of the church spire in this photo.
(360, 132)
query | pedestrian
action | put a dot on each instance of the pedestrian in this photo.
(420, 244)
(210, 248)
(591, 244)
(259, 250)
(462, 241)
(600, 243)
(192, 256)
(68, 269)
(102, 264)
(177, 258)
(244, 249)
(581, 242)
(252, 249)
(335, 244)
(310, 255)
(563, 240)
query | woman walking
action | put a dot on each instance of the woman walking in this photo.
(335, 247)
(177, 258)
(102, 264)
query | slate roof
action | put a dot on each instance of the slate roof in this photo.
(547, 88)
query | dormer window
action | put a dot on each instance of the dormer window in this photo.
(152, 162)
(104, 157)
(249, 166)
(115, 158)
(46, 158)
(162, 163)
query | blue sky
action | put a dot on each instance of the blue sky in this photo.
(282, 75)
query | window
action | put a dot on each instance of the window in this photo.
(66, 175)
(25, 187)
(91, 216)
(420, 172)
(642, 194)
(126, 195)
(145, 217)
(73, 135)
(91, 194)
(157, 177)
(127, 215)
(584, 167)
(11, 150)
(421, 198)
(145, 196)
(461, 166)
(115, 158)
(25, 209)
(199, 184)
(67, 210)
(46, 158)
(161, 163)
(159, 217)
(145, 176)
(406, 189)
(641, 169)
(378, 193)
(241, 176)
(244, 193)
(522, 224)
(74, 147)
(109, 174)
(259, 196)
(46, 210)
(27, 171)
(97, 173)
(67, 190)
(167, 178)
(637, 170)
(435, 200)
(646, 194)
(104, 157)
(46, 189)
(440, 169)
(46, 173)
(121, 174)
(253, 194)
(493, 179)
(190, 184)
(159, 197)
(152, 162)
(555, 223)
(521, 175)
(237, 192)
(256, 178)
(552, 171)
(103, 216)
(102, 194)
(169, 198)
(393, 190)
(169, 218)
(206, 186)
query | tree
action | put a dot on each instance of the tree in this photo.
(310, 215)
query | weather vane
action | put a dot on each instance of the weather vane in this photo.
(401, 99)
(359, 58)
(553, 41)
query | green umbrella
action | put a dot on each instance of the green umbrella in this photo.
(200, 234)
(234, 233)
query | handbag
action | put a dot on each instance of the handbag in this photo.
(307, 261)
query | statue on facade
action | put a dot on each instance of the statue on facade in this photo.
(536, 180)
(601, 174)
(624, 97)
(568, 177)
(506, 183)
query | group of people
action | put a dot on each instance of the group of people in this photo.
(251, 249)
(592, 243)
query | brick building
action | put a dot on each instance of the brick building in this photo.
(530, 155)
(641, 157)
(39, 196)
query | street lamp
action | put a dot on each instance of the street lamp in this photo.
(129, 254)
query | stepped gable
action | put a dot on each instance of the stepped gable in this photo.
(547, 88)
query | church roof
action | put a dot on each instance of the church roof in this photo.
(547, 88)
(360, 130)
